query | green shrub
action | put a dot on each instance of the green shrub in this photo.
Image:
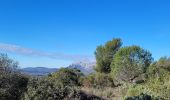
(159, 68)
(42, 89)
(154, 86)
(130, 62)
(12, 86)
(158, 83)
(12, 82)
(164, 63)
(98, 80)
(62, 85)
(134, 90)
(67, 77)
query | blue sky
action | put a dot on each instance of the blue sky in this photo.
(55, 33)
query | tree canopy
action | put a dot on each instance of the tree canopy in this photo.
(105, 54)
(129, 62)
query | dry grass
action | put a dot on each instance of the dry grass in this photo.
(107, 93)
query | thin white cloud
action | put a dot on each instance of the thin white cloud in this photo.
(30, 52)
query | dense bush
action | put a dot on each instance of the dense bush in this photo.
(61, 85)
(155, 86)
(130, 62)
(164, 63)
(12, 83)
(98, 80)
(44, 89)
(12, 86)
(67, 77)
(159, 68)
(158, 78)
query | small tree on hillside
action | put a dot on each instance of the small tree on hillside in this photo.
(130, 62)
(105, 54)
(7, 65)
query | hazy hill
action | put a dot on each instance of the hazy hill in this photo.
(85, 67)
(38, 71)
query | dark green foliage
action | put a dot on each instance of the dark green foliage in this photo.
(164, 63)
(41, 89)
(57, 86)
(98, 80)
(67, 77)
(12, 83)
(143, 97)
(105, 54)
(130, 62)
(140, 97)
(159, 68)
(44, 89)
(12, 86)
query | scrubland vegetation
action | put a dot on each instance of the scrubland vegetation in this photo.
(122, 73)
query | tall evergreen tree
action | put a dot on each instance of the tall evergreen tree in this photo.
(105, 54)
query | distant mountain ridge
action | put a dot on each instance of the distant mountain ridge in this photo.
(84, 67)
(38, 71)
